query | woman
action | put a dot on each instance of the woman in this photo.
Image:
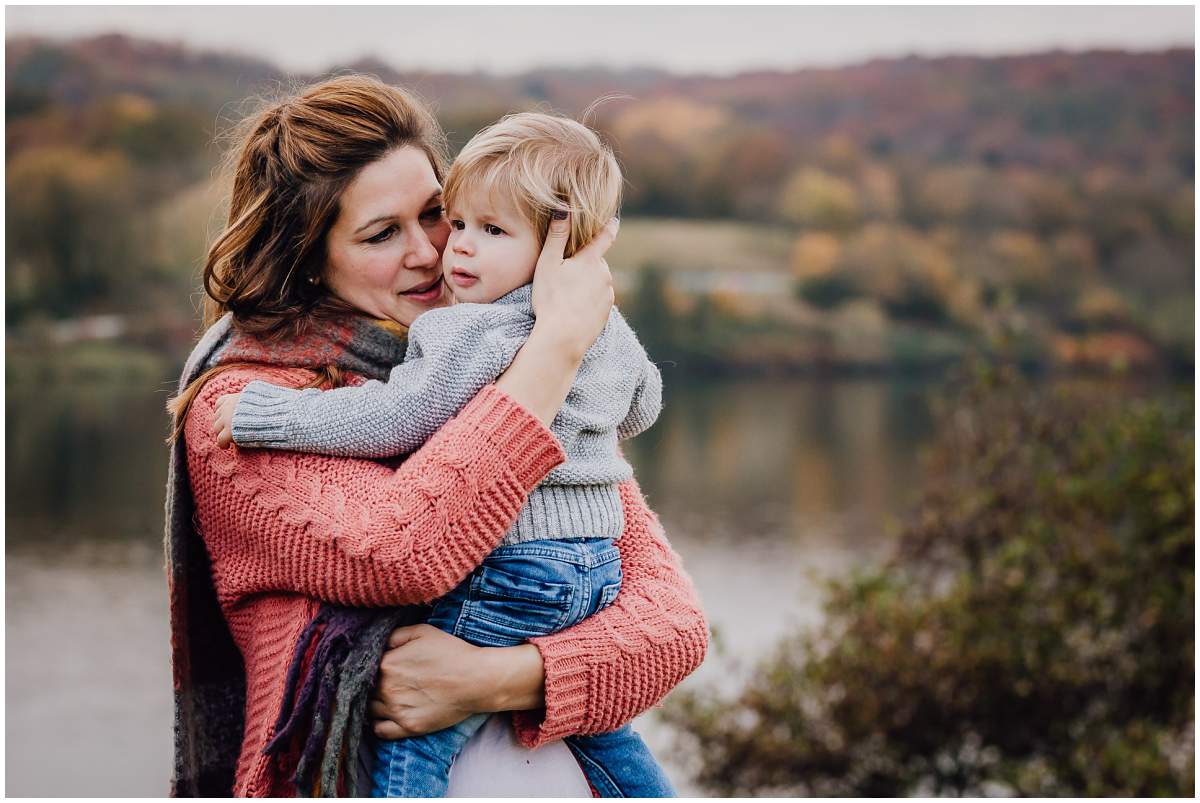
(333, 245)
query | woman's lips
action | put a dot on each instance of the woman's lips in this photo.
(463, 279)
(430, 292)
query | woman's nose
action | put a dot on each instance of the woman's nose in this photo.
(423, 253)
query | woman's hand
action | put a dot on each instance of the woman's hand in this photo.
(430, 680)
(571, 300)
(572, 297)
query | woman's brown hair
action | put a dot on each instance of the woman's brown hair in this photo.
(290, 164)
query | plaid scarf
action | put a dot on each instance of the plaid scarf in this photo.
(209, 677)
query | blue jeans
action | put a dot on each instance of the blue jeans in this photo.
(529, 589)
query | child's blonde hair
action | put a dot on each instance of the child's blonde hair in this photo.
(543, 163)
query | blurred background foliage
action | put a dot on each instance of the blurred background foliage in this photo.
(861, 218)
(1033, 633)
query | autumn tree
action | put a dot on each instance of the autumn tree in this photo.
(815, 198)
(72, 229)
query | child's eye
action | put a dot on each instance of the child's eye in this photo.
(457, 225)
(382, 236)
(432, 214)
(495, 231)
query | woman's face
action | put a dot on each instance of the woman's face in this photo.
(385, 248)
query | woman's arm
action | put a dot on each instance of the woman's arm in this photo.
(563, 684)
(655, 632)
(355, 532)
(571, 301)
(358, 533)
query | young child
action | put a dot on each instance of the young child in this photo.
(558, 564)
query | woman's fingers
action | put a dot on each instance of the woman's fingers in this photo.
(402, 635)
(556, 241)
(600, 244)
(384, 722)
(430, 681)
(572, 304)
(386, 729)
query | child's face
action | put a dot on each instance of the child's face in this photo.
(492, 249)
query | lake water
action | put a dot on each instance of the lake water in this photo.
(764, 486)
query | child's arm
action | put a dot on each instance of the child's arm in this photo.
(647, 396)
(452, 354)
(647, 403)
(356, 532)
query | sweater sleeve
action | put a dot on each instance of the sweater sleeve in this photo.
(646, 403)
(356, 532)
(452, 354)
(614, 665)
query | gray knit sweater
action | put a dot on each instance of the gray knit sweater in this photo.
(452, 354)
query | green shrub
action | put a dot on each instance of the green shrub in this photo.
(828, 292)
(1033, 634)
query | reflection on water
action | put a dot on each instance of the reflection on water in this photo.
(85, 462)
(771, 458)
(763, 486)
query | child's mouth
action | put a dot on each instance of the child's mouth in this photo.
(429, 292)
(461, 278)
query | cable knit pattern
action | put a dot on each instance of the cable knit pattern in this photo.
(312, 528)
(614, 665)
(286, 530)
(355, 532)
(452, 353)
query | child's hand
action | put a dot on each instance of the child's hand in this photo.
(223, 424)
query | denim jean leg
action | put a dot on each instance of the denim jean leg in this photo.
(618, 764)
(530, 589)
(420, 766)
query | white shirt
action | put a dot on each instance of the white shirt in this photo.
(494, 764)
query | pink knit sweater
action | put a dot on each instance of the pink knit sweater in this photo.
(286, 531)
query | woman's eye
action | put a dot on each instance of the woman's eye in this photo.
(493, 230)
(457, 225)
(433, 214)
(382, 236)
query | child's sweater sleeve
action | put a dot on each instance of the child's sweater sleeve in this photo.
(647, 395)
(452, 354)
(356, 532)
(647, 403)
(619, 662)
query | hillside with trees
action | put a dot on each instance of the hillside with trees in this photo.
(910, 209)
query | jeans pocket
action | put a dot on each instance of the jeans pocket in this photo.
(518, 606)
(608, 594)
(607, 576)
(446, 611)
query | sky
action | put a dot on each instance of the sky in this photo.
(686, 39)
